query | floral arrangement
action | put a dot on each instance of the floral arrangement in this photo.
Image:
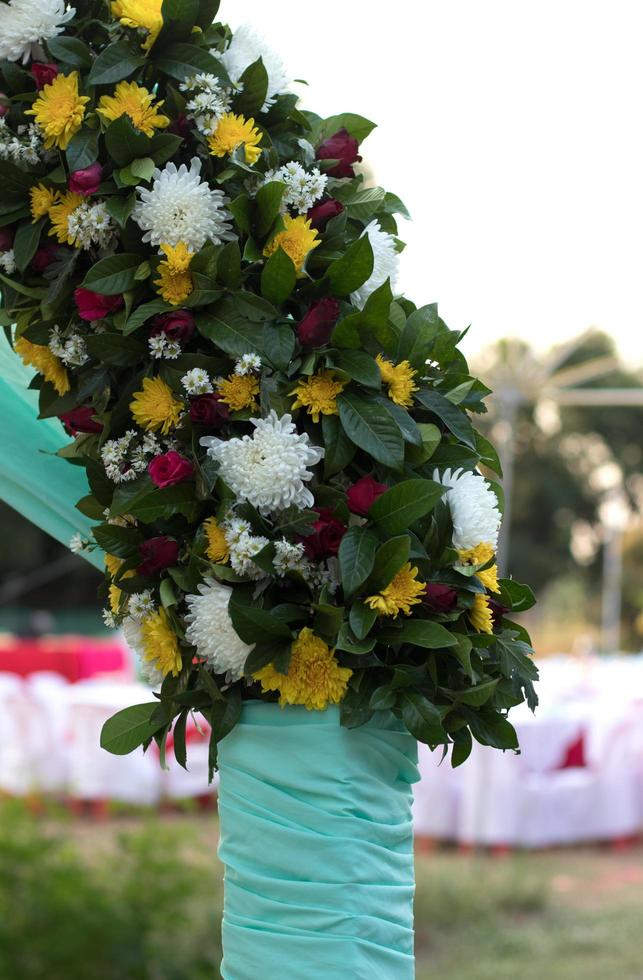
(283, 470)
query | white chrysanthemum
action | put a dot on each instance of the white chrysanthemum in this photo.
(244, 49)
(25, 24)
(211, 631)
(474, 508)
(180, 207)
(8, 262)
(248, 364)
(270, 468)
(133, 636)
(90, 224)
(197, 382)
(302, 188)
(385, 263)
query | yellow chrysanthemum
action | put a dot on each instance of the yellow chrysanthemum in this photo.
(217, 548)
(297, 239)
(160, 643)
(41, 358)
(399, 595)
(59, 216)
(318, 394)
(174, 281)
(239, 391)
(112, 564)
(42, 199)
(314, 677)
(231, 132)
(130, 99)
(155, 407)
(142, 15)
(59, 111)
(480, 555)
(400, 379)
(480, 614)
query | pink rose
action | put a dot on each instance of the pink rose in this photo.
(95, 306)
(86, 181)
(363, 494)
(170, 468)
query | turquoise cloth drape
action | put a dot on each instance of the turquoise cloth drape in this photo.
(316, 840)
(42, 487)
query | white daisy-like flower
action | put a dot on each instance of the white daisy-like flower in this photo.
(90, 224)
(109, 619)
(197, 382)
(210, 100)
(290, 558)
(180, 207)
(161, 347)
(140, 605)
(248, 364)
(243, 548)
(302, 188)
(211, 631)
(244, 49)
(77, 543)
(385, 263)
(72, 350)
(25, 24)
(270, 468)
(8, 262)
(474, 508)
(23, 147)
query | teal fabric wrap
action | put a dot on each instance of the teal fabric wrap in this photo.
(41, 486)
(317, 844)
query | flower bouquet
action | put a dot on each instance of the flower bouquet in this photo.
(279, 449)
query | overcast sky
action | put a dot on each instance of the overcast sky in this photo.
(512, 130)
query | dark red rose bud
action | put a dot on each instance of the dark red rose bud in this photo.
(343, 148)
(497, 612)
(209, 410)
(327, 535)
(157, 554)
(319, 322)
(95, 306)
(170, 468)
(43, 73)
(6, 239)
(5, 108)
(44, 257)
(86, 181)
(177, 326)
(320, 214)
(440, 598)
(180, 127)
(81, 419)
(363, 494)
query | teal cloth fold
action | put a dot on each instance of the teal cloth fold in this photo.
(38, 484)
(317, 845)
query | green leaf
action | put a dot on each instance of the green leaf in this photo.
(346, 641)
(120, 541)
(372, 429)
(143, 313)
(178, 739)
(417, 336)
(126, 143)
(454, 419)
(339, 448)
(264, 654)
(422, 718)
(165, 502)
(15, 183)
(357, 126)
(356, 557)
(129, 728)
(462, 745)
(476, 696)
(241, 212)
(268, 204)
(390, 557)
(143, 168)
(491, 728)
(181, 59)
(254, 625)
(398, 508)
(351, 271)
(361, 619)
(207, 12)
(82, 150)
(70, 50)
(360, 366)
(278, 277)
(223, 716)
(233, 335)
(365, 203)
(278, 345)
(229, 265)
(419, 633)
(114, 348)
(113, 275)
(33, 292)
(179, 17)
(115, 62)
(163, 146)
(255, 88)
(26, 242)
(516, 596)
(120, 208)
(431, 437)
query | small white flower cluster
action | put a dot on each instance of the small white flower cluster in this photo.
(162, 347)
(23, 148)
(8, 262)
(290, 558)
(243, 547)
(78, 543)
(109, 619)
(248, 364)
(72, 349)
(90, 224)
(302, 188)
(210, 100)
(140, 605)
(125, 458)
(197, 382)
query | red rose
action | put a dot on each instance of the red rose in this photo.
(44, 257)
(343, 148)
(440, 598)
(95, 306)
(177, 326)
(180, 126)
(157, 554)
(86, 181)
(6, 239)
(318, 323)
(497, 612)
(363, 494)
(327, 535)
(5, 108)
(209, 410)
(43, 73)
(81, 419)
(170, 468)
(320, 214)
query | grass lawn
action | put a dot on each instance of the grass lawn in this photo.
(137, 898)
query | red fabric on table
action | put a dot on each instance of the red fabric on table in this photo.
(73, 657)
(575, 757)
